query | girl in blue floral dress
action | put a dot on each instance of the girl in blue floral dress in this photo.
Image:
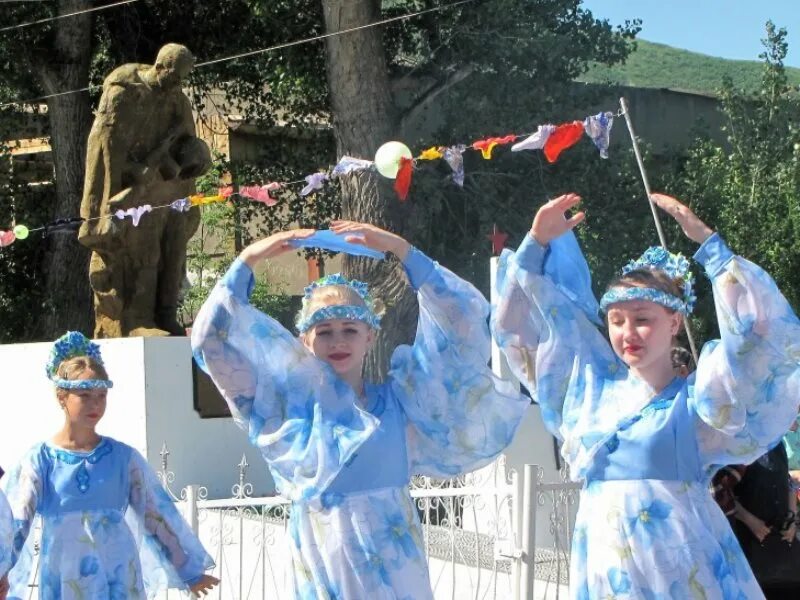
(645, 441)
(342, 449)
(109, 530)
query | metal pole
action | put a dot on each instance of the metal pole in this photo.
(527, 570)
(661, 237)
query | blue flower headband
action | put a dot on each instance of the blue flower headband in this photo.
(365, 314)
(71, 345)
(674, 266)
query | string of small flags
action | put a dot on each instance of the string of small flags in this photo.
(393, 160)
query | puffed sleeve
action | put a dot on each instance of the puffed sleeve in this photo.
(459, 415)
(303, 418)
(545, 325)
(23, 487)
(6, 534)
(747, 386)
(170, 552)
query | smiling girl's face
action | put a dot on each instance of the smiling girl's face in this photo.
(341, 343)
(642, 332)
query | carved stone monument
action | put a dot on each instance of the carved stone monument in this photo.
(142, 149)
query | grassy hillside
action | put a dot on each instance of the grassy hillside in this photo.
(659, 66)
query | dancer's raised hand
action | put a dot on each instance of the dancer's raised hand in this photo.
(272, 246)
(372, 236)
(552, 221)
(691, 224)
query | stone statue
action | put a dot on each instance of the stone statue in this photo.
(142, 149)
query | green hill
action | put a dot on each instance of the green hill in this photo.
(659, 66)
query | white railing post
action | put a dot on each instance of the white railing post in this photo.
(191, 508)
(530, 483)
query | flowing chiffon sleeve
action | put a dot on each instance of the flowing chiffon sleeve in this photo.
(303, 418)
(747, 386)
(23, 490)
(545, 325)
(6, 534)
(459, 415)
(171, 554)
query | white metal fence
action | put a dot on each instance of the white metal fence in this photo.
(487, 535)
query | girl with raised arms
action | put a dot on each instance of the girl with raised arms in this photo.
(645, 441)
(343, 449)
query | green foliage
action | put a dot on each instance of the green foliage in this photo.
(750, 188)
(20, 275)
(212, 250)
(658, 66)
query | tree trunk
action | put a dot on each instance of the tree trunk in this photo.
(66, 262)
(364, 117)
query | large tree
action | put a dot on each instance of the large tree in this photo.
(496, 65)
(479, 68)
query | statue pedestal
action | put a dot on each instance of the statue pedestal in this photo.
(151, 404)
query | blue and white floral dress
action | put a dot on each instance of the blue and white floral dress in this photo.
(6, 534)
(109, 530)
(355, 532)
(647, 526)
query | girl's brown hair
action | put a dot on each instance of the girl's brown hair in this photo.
(649, 278)
(72, 368)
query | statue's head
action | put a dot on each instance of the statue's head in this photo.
(173, 64)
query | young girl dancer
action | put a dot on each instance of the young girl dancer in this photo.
(109, 530)
(342, 449)
(645, 441)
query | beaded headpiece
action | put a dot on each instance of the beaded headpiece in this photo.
(365, 313)
(675, 266)
(71, 345)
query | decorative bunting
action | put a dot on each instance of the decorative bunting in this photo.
(202, 199)
(181, 205)
(314, 182)
(261, 193)
(488, 145)
(553, 140)
(454, 156)
(535, 141)
(598, 127)
(432, 153)
(403, 180)
(348, 164)
(134, 213)
(563, 137)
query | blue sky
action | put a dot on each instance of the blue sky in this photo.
(726, 28)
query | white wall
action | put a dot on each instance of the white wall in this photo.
(151, 403)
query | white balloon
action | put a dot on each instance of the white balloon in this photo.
(387, 158)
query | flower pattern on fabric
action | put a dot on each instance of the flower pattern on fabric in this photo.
(647, 460)
(440, 412)
(454, 157)
(340, 311)
(131, 544)
(598, 127)
(6, 534)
